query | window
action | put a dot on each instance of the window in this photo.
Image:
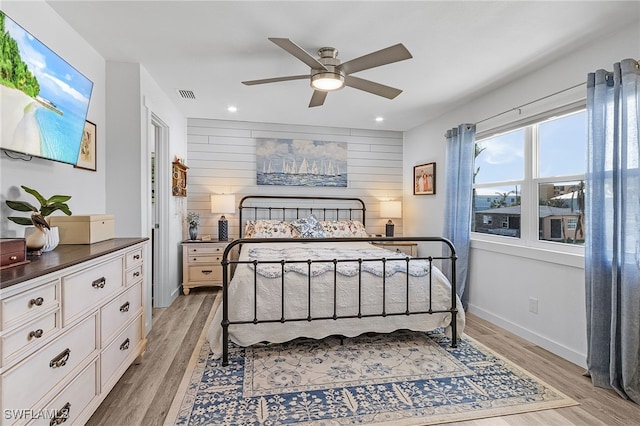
(529, 181)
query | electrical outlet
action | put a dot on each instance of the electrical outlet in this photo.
(533, 305)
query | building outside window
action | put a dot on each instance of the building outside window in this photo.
(529, 181)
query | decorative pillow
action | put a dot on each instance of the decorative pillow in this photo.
(308, 227)
(269, 229)
(343, 228)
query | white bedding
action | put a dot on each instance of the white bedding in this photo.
(241, 292)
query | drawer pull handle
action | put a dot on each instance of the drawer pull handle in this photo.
(62, 415)
(99, 283)
(14, 257)
(36, 333)
(136, 274)
(136, 256)
(36, 302)
(61, 359)
(125, 345)
(206, 271)
(125, 307)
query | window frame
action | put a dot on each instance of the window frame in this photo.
(529, 193)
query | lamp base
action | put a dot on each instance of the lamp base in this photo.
(223, 230)
(389, 229)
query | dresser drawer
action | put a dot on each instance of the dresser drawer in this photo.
(134, 257)
(36, 331)
(120, 311)
(71, 402)
(122, 347)
(133, 275)
(27, 383)
(34, 302)
(88, 288)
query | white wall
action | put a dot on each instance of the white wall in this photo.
(132, 96)
(85, 187)
(503, 279)
(222, 159)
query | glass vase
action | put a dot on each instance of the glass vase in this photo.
(193, 232)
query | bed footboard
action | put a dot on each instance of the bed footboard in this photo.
(447, 261)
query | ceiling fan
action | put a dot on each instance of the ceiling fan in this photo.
(328, 74)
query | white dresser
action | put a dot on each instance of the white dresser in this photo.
(72, 322)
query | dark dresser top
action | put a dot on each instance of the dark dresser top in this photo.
(64, 256)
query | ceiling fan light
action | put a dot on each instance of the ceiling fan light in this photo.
(327, 81)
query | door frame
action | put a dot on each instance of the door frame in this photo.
(162, 293)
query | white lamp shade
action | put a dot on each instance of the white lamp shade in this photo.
(223, 203)
(390, 209)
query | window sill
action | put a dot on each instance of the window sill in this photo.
(574, 260)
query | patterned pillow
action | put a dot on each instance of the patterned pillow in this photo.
(269, 229)
(343, 228)
(308, 227)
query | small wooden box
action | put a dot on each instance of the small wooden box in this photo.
(13, 252)
(87, 229)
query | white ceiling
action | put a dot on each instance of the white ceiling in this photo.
(460, 49)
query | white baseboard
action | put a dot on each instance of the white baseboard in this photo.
(554, 347)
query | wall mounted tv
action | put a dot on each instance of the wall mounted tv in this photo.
(43, 99)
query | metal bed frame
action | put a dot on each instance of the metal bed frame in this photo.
(326, 213)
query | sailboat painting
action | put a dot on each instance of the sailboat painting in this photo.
(299, 162)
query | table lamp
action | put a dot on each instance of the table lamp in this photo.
(390, 209)
(223, 203)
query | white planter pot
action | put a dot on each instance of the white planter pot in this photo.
(41, 241)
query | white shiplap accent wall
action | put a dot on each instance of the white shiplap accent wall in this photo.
(221, 156)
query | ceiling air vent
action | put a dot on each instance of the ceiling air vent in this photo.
(186, 94)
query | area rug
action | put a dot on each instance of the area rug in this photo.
(403, 378)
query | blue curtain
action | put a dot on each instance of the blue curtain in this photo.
(458, 195)
(612, 248)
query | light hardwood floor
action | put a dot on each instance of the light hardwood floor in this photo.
(144, 394)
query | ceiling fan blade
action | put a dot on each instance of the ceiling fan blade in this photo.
(385, 56)
(371, 87)
(317, 98)
(275, 79)
(298, 52)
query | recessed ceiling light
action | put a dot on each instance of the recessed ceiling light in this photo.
(232, 109)
(379, 119)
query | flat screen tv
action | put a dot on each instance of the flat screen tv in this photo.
(43, 99)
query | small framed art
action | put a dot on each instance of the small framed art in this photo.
(87, 155)
(424, 179)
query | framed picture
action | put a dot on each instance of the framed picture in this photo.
(87, 155)
(424, 179)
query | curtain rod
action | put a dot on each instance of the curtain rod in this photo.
(518, 108)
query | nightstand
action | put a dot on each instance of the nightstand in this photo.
(201, 263)
(398, 246)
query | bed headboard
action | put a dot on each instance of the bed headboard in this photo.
(289, 207)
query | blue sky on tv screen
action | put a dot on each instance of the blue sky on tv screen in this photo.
(60, 83)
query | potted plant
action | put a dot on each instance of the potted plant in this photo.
(193, 220)
(40, 237)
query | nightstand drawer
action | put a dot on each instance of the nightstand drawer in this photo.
(212, 273)
(201, 250)
(410, 249)
(205, 259)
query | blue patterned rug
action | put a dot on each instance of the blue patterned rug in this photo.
(404, 378)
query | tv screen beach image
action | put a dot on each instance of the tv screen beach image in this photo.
(44, 100)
